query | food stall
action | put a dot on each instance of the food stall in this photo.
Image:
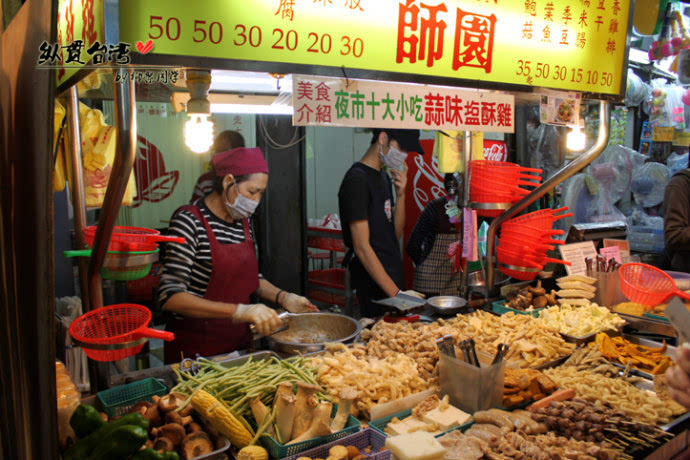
(540, 370)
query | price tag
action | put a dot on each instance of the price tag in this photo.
(663, 134)
(612, 252)
(576, 254)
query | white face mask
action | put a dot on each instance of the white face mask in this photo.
(242, 208)
(394, 159)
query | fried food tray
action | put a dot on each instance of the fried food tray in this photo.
(670, 352)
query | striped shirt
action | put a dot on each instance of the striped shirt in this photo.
(187, 267)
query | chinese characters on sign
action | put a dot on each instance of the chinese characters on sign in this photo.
(568, 45)
(149, 76)
(98, 54)
(329, 101)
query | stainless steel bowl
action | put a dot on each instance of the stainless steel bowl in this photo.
(476, 278)
(447, 304)
(309, 332)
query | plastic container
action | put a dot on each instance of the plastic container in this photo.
(646, 239)
(278, 451)
(471, 388)
(501, 309)
(119, 400)
(366, 438)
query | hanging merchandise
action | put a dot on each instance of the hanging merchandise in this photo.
(609, 178)
(619, 123)
(636, 91)
(665, 106)
(60, 171)
(449, 149)
(98, 143)
(672, 38)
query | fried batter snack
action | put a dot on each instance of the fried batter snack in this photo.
(643, 358)
(531, 343)
(522, 385)
(376, 380)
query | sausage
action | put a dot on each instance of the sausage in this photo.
(560, 395)
(478, 432)
(534, 426)
(493, 418)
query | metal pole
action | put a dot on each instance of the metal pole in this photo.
(466, 202)
(126, 129)
(569, 170)
(76, 181)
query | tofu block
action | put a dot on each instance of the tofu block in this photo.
(446, 419)
(416, 446)
(580, 278)
(574, 294)
(577, 285)
(574, 302)
(405, 426)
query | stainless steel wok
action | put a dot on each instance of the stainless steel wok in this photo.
(309, 332)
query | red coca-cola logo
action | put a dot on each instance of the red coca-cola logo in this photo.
(495, 151)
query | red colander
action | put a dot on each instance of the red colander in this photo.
(132, 235)
(647, 285)
(115, 332)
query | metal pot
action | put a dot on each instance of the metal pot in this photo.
(447, 304)
(309, 332)
(477, 283)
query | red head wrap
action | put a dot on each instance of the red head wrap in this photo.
(239, 162)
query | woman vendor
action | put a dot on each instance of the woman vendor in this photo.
(435, 231)
(206, 283)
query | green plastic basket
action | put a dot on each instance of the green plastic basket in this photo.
(498, 307)
(656, 317)
(119, 400)
(381, 424)
(278, 451)
(126, 273)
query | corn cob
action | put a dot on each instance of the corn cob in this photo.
(252, 453)
(221, 418)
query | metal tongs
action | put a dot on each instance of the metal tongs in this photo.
(469, 352)
(500, 353)
(446, 346)
(191, 366)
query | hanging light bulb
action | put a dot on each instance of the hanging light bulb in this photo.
(576, 140)
(198, 131)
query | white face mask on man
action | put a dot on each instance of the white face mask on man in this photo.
(394, 159)
(242, 208)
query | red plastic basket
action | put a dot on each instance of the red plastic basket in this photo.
(114, 325)
(132, 235)
(648, 285)
(518, 275)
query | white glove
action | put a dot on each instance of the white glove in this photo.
(298, 304)
(412, 293)
(265, 319)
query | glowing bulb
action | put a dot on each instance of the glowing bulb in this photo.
(198, 132)
(576, 140)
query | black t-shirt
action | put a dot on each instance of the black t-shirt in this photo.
(366, 194)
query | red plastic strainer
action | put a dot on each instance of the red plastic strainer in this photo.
(648, 285)
(115, 332)
(132, 235)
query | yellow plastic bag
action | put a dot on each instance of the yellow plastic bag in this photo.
(449, 148)
(60, 171)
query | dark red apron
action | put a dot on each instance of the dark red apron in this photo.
(234, 277)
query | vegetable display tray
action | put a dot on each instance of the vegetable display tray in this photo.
(589, 337)
(119, 400)
(381, 424)
(362, 440)
(278, 451)
(498, 307)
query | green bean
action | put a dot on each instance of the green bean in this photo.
(264, 424)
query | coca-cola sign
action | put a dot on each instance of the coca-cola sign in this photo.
(495, 150)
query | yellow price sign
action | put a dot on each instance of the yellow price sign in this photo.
(663, 134)
(576, 45)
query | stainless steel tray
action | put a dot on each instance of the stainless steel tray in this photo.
(402, 302)
(550, 364)
(649, 386)
(589, 337)
(670, 352)
(238, 361)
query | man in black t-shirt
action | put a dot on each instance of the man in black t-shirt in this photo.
(372, 221)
